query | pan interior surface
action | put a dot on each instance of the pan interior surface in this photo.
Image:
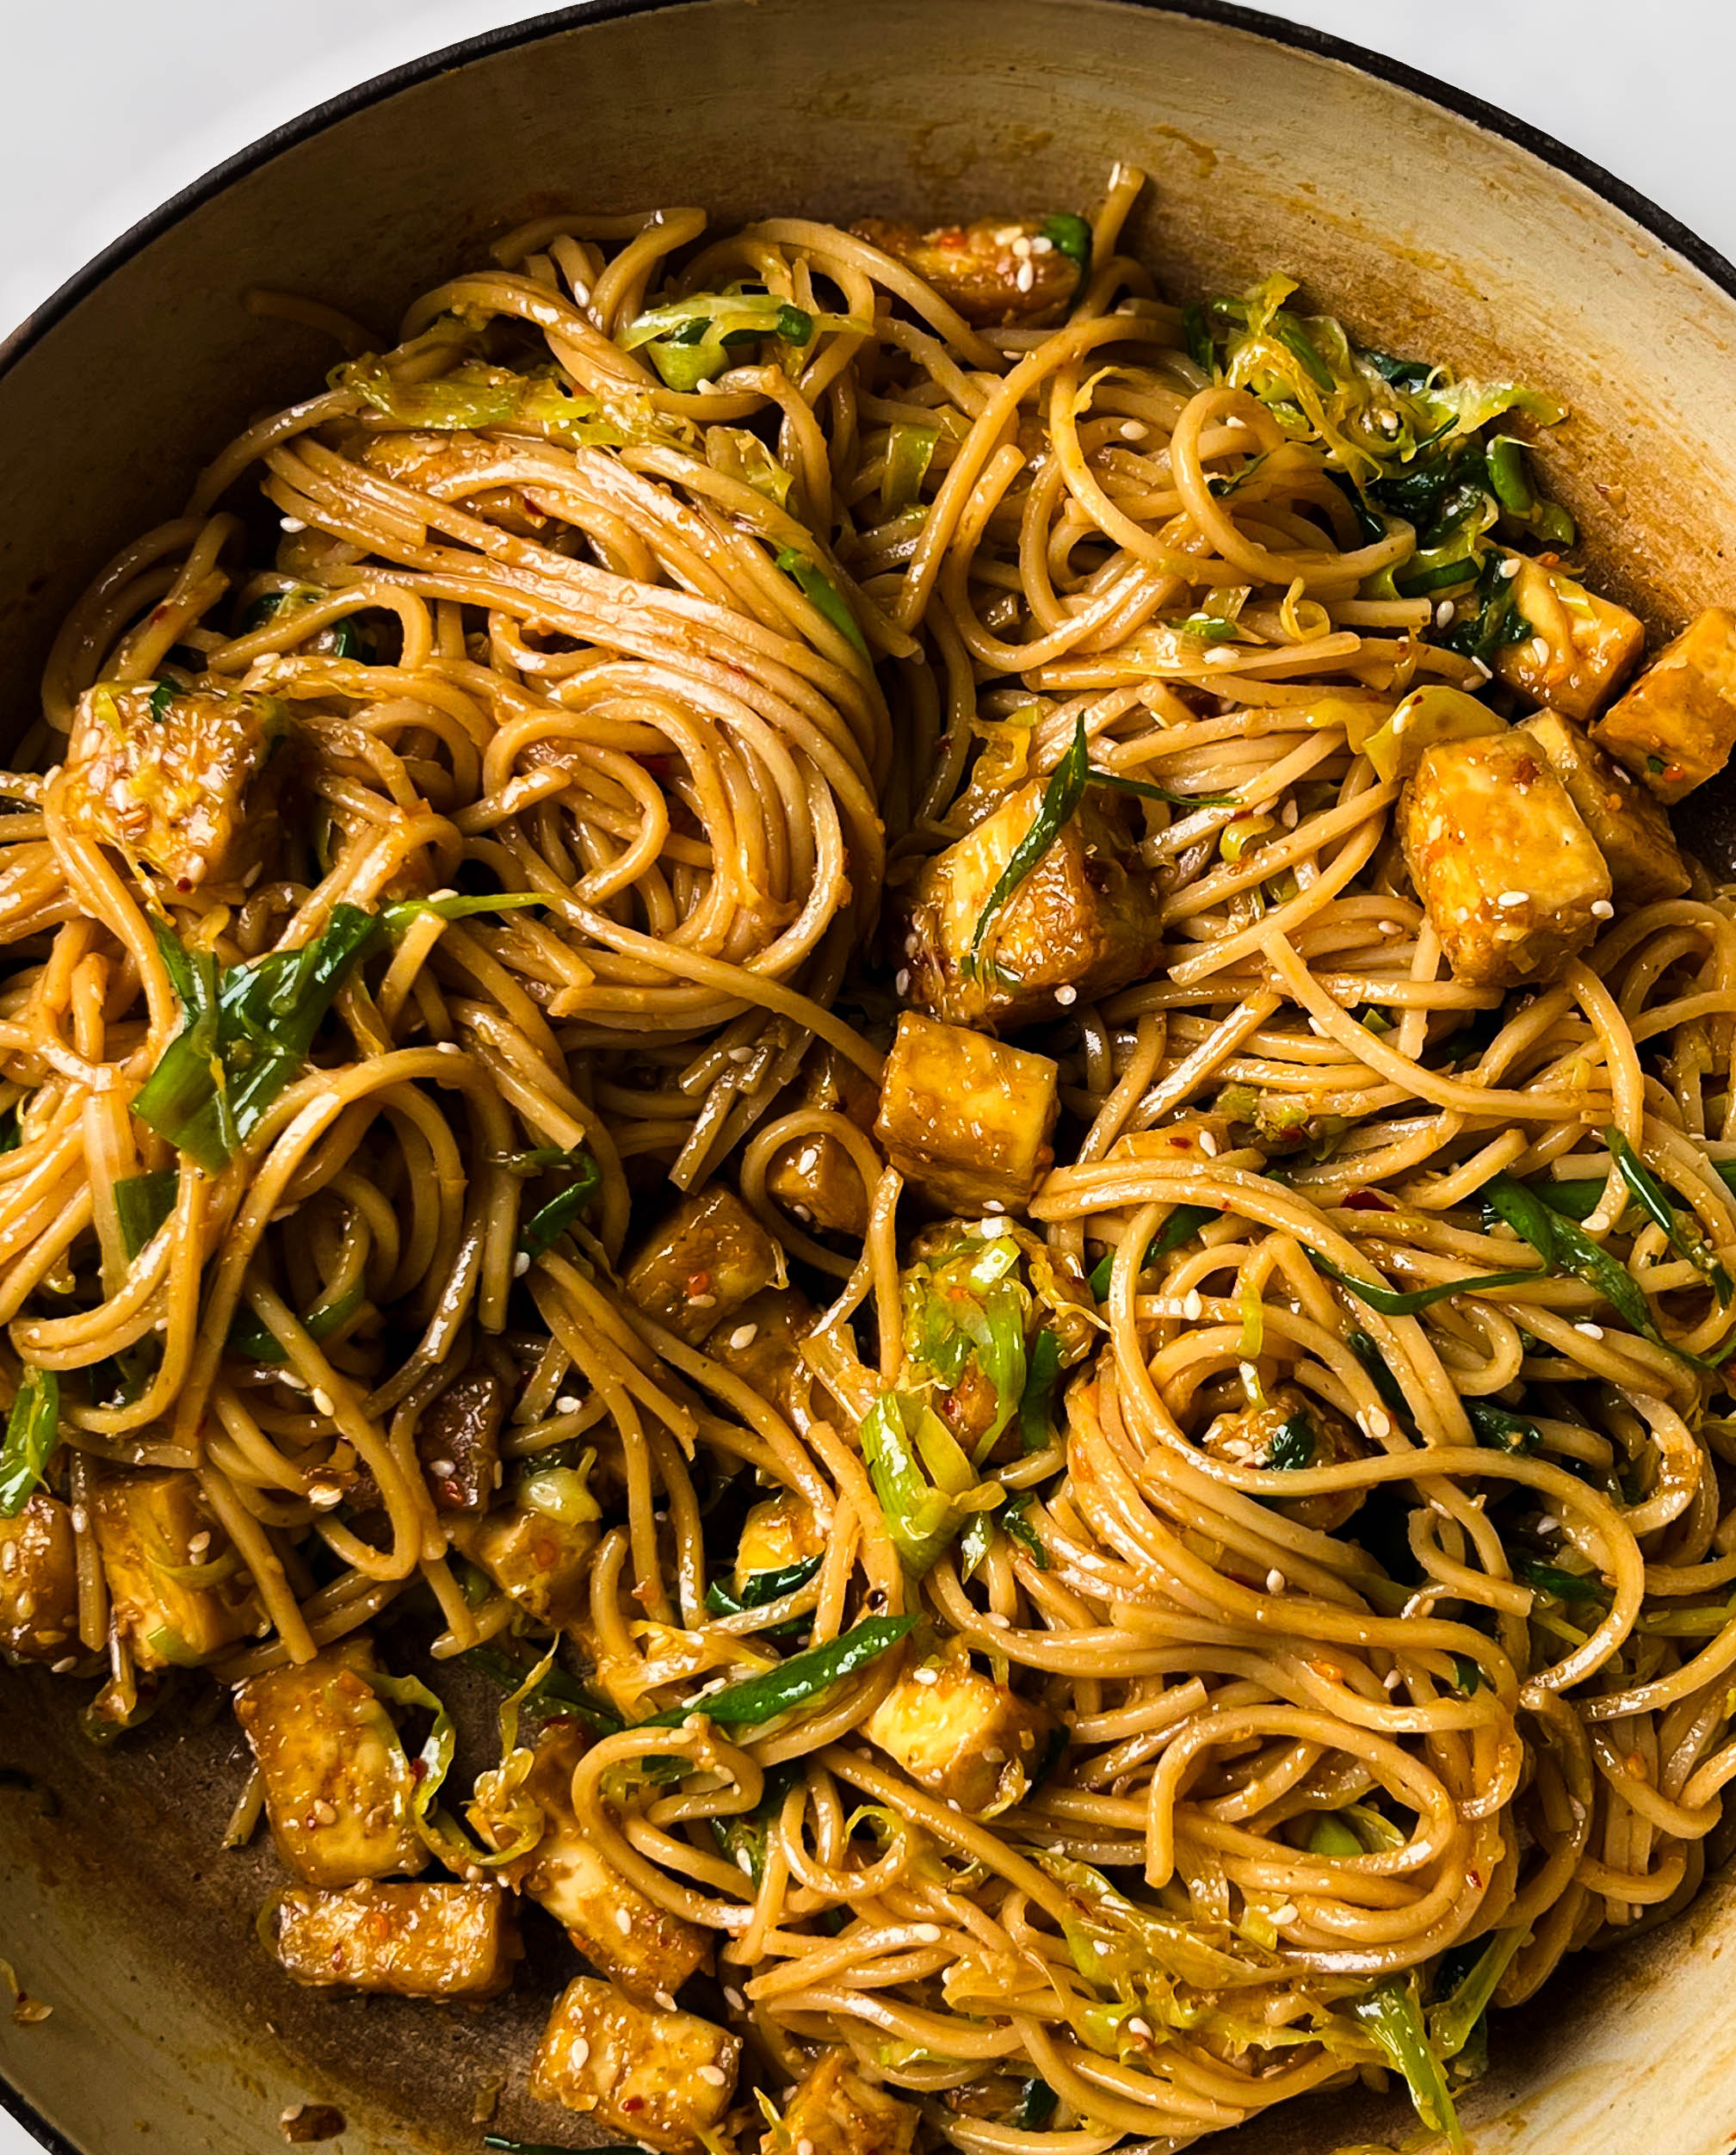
(118, 1908)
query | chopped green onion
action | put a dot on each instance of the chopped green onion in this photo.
(1390, 1302)
(804, 1676)
(1295, 1446)
(1036, 1401)
(818, 588)
(1501, 1431)
(1070, 234)
(1059, 804)
(1686, 1241)
(545, 1227)
(161, 697)
(142, 1203)
(761, 1588)
(910, 450)
(1389, 2013)
(33, 1431)
(1564, 1586)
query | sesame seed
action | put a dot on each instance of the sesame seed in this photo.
(996, 1621)
(1592, 1332)
(1388, 421)
(1509, 568)
(1021, 247)
(713, 2076)
(808, 1159)
(442, 1469)
(199, 1544)
(1379, 1421)
(734, 2000)
(992, 1229)
(65, 1667)
(521, 1264)
(664, 2000)
(578, 2051)
(1539, 651)
(325, 1812)
(1512, 897)
(926, 1676)
(292, 523)
(1134, 430)
(1286, 1913)
(804, 2146)
(1221, 657)
(623, 1922)
(1445, 612)
(1140, 2030)
(1276, 1582)
(928, 1934)
(1192, 1306)
(701, 1301)
(1602, 910)
(993, 1205)
(322, 1403)
(1026, 276)
(1287, 815)
(1546, 1523)
(1066, 995)
(1208, 1145)
(567, 1405)
(744, 1336)
(901, 980)
(1392, 1680)
(1041, 246)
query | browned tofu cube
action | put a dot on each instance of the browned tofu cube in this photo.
(836, 2112)
(157, 1540)
(966, 1118)
(1512, 879)
(815, 1178)
(435, 1941)
(167, 776)
(662, 2078)
(1677, 724)
(973, 1742)
(39, 1582)
(647, 1951)
(776, 1533)
(337, 1785)
(1580, 649)
(704, 1260)
(1292, 1430)
(543, 1562)
(999, 269)
(458, 1441)
(761, 1342)
(1630, 829)
(1083, 922)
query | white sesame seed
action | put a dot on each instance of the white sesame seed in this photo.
(1392, 1680)
(1134, 430)
(1539, 651)
(1041, 246)
(734, 2000)
(1021, 247)
(926, 1676)
(623, 1922)
(1592, 1332)
(993, 1205)
(323, 1403)
(1140, 2030)
(566, 1403)
(713, 2076)
(1601, 909)
(1379, 1421)
(1276, 1582)
(664, 2000)
(1445, 612)
(1286, 1913)
(578, 2051)
(1287, 815)
(1547, 1524)
(927, 1934)
(1508, 568)
(1066, 995)
(199, 1544)
(804, 2146)
(1208, 1145)
(291, 523)
(996, 1621)
(65, 1667)
(992, 1229)
(1512, 897)
(701, 1301)
(442, 1469)
(1388, 421)
(901, 980)
(744, 1336)
(1192, 1306)
(1026, 276)
(1221, 655)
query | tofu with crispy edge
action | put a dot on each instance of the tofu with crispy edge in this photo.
(543, 1563)
(1083, 921)
(777, 1532)
(815, 1178)
(458, 1441)
(1676, 726)
(434, 1941)
(39, 1582)
(836, 2112)
(337, 1785)
(618, 1929)
(156, 1537)
(707, 1258)
(167, 776)
(1631, 830)
(658, 2076)
(976, 1745)
(1000, 269)
(761, 1344)
(1291, 1428)
(1580, 649)
(965, 1117)
(1510, 878)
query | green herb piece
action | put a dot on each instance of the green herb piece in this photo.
(1386, 1382)
(804, 1676)
(818, 588)
(1059, 804)
(1035, 2107)
(1014, 1522)
(1036, 1400)
(1390, 2015)
(690, 339)
(11, 1128)
(545, 1226)
(1284, 328)
(1685, 1239)
(1506, 459)
(1462, 1998)
(1494, 621)
(1182, 1226)
(1295, 1446)
(760, 1588)
(1390, 1302)
(1070, 234)
(1566, 1247)
(1468, 1674)
(1197, 337)
(742, 1836)
(33, 1431)
(1502, 1430)
(1574, 1199)
(142, 1203)
(1148, 791)
(554, 1697)
(252, 1340)
(455, 905)
(1563, 1586)
(162, 697)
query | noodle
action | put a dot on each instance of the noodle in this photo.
(1223, 1613)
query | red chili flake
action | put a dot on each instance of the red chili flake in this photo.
(418, 1769)
(953, 237)
(698, 1283)
(1368, 1200)
(632, 2104)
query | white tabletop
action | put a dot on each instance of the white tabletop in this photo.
(115, 106)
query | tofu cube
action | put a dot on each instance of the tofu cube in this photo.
(337, 1783)
(1630, 829)
(619, 1930)
(707, 1258)
(662, 2078)
(39, 1582)
(146, 1526)
(1253, 1436)
(1085, 918)
(458, 1441)
(971, 1740)
(761, 1344)
(977, 268)
(815, 1178)
(1509, 874)
(776, 1533)
(836, 2112)
(1677, 724)
(1580, 649)
(412, 1941)
(167, 779)
(966, 1118)
(543, 1563)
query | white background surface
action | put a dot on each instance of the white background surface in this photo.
(110, 106)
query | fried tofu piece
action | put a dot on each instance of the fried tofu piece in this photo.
(836, 2112)
(1512, 879)
(458, 1441)
(338, 1786)
(707, 1258)
(815, 1178)
(638, 1945)
(39, 1582)
(976, 1745)
(777, 1532)
(965, 1117)
(167, 775)
(543, 1563)
(761, 1344)
(1000, 269)
(1083, 922)
(435, 1940)
(1292, 1430)
(1676, 726)
(1630, 829)
(658, 2076)
(152, 1530)
(1580, 649)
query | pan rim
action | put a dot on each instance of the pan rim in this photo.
(1631, 201)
